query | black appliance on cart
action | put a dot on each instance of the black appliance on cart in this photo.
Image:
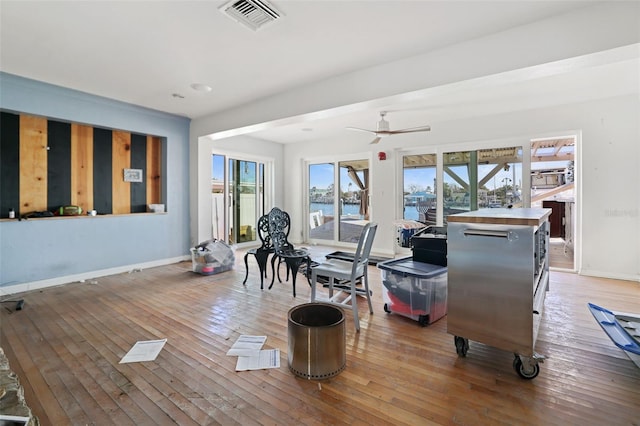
(416, 286)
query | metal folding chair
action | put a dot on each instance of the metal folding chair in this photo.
(348, 275)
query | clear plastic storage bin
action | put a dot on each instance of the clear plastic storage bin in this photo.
(414, 289)
(212, 257)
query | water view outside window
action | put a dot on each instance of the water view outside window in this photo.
(486, 178)
(340, 206)
(419, 188)
(322, 201)
(471, 180)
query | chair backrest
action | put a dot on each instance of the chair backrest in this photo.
(263, 233)
(361, 258)
(279, 227)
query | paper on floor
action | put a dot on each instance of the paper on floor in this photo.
(247, 345)
(146, 350)
(266, 358)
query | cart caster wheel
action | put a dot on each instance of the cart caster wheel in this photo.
(462, 345)
(423, 320)
(522, 371)
(386, 308)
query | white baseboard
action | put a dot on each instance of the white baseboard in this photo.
(600, 274)
(51, 282)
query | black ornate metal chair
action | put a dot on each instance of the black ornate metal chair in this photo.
(279, 225)
(261, 253)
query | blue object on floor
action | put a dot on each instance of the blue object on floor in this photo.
(622, 329)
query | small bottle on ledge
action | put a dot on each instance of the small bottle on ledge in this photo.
(12, 214)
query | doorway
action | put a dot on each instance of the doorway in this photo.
(553, 186)
(237, 198)
(338, 200)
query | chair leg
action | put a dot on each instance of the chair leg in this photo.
(292, 265)
(273, 271)
(314, 280)
(246, 265)
(262, 265)
(354, 305)
(366, 288)
(307, 271)
(262, 275)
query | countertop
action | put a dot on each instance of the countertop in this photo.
(518, 216)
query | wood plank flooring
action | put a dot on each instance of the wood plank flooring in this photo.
(66, 344)
(560, 255)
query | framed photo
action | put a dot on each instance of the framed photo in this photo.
(133, 175)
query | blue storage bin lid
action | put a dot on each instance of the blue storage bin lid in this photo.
(614, 330)
(406, 266)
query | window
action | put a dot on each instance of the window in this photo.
(471, 180)
(337, 212)
(419, 188)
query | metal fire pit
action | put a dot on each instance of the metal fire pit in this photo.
(316, 340)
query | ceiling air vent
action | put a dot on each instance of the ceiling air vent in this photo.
(255, 14)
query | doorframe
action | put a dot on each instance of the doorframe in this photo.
(577, 192)
(268, 187)
(335, 160)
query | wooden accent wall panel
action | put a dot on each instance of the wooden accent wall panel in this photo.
(153, 177)
(33, 164)
(82, 166)
(121, 159)
(49, 163)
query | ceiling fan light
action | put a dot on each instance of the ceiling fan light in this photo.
(383, 125)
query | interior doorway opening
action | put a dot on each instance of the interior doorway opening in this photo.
(237, 198)
(553, 186)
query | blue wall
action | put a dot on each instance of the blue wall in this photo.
(51, 249)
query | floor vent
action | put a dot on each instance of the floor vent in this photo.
(254, 14)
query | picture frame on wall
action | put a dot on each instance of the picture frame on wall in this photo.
(133, 175)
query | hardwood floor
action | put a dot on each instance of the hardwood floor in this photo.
(560, 255)
(66, 344)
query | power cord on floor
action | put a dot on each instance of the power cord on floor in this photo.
(19, 304)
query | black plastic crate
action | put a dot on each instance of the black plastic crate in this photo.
(430, 245)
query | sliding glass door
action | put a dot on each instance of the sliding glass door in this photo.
(338, 200)
(237, 189)
(322, 201)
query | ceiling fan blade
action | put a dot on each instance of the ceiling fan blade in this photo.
(375, 141)
(412, 130)
(361, 130)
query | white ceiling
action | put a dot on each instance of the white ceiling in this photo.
(144, 52)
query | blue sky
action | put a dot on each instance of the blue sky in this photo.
(321, 176)
(217, 169)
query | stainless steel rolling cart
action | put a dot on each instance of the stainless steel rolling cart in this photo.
(498, 276)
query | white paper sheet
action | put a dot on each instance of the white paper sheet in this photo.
(247, 345)
(6, 419)
(146, 350)
(266, 358)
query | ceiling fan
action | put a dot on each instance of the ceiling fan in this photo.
(383, 129)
